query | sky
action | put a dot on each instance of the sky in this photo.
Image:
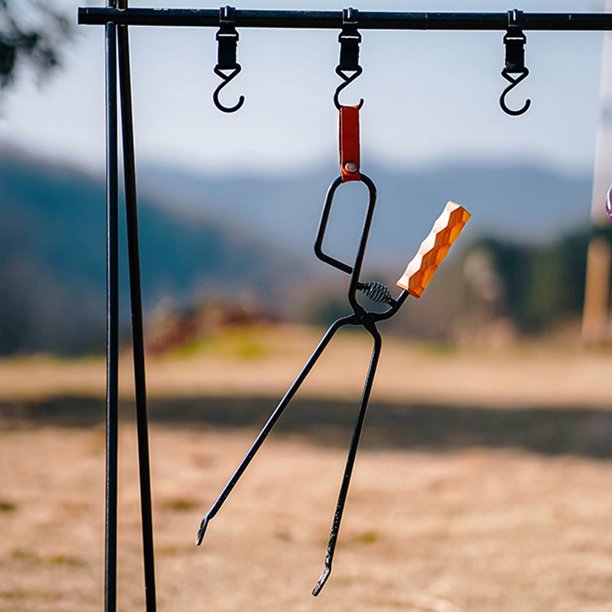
(430, 97)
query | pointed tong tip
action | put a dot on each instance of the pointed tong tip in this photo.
(202, 530)
(321, 581)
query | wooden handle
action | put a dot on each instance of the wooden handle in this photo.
(434, 249)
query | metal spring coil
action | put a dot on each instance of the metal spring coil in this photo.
(377, 292)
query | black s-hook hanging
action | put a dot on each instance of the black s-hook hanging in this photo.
(349, 40)
(514, 71)
(227, 37)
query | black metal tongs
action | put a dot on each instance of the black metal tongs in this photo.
(418, 274)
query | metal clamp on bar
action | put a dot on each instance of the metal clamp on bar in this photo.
(515, 41)
(227, 38)
(349, 40)
(514, 70)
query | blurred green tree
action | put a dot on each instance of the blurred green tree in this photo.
(31, 33)
(543, 284)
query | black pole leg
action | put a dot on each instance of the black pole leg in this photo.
(267, 428)
(350, 460)
(137, 320)
(112, 323)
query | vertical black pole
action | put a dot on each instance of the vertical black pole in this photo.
(129, 166)
(112, 321)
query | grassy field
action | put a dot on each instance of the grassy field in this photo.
(483, 483)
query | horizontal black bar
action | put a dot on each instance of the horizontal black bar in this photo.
(333, 19)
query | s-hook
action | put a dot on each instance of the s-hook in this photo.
(514, 41)
(227, 37)
(417, 275)
(349, 40)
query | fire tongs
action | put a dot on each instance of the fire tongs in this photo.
(417, 275)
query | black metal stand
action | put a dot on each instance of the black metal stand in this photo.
(112, 320)
(332, 20)
(131, 205)
(116, 20)
(118, 65)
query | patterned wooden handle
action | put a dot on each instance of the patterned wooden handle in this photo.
(434, 249)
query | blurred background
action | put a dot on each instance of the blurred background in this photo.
(499, 374)
(230, 203)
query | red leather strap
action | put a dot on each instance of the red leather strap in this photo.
(349, 143)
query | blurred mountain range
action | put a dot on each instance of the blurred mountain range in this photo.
(52, 257)
(507, 201)
(235, 235)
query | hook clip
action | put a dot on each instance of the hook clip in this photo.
(349, 40)
(514, 71)
(227, 37)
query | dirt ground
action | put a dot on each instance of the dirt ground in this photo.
(262, 362)
(453, 506)
(476, 529)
